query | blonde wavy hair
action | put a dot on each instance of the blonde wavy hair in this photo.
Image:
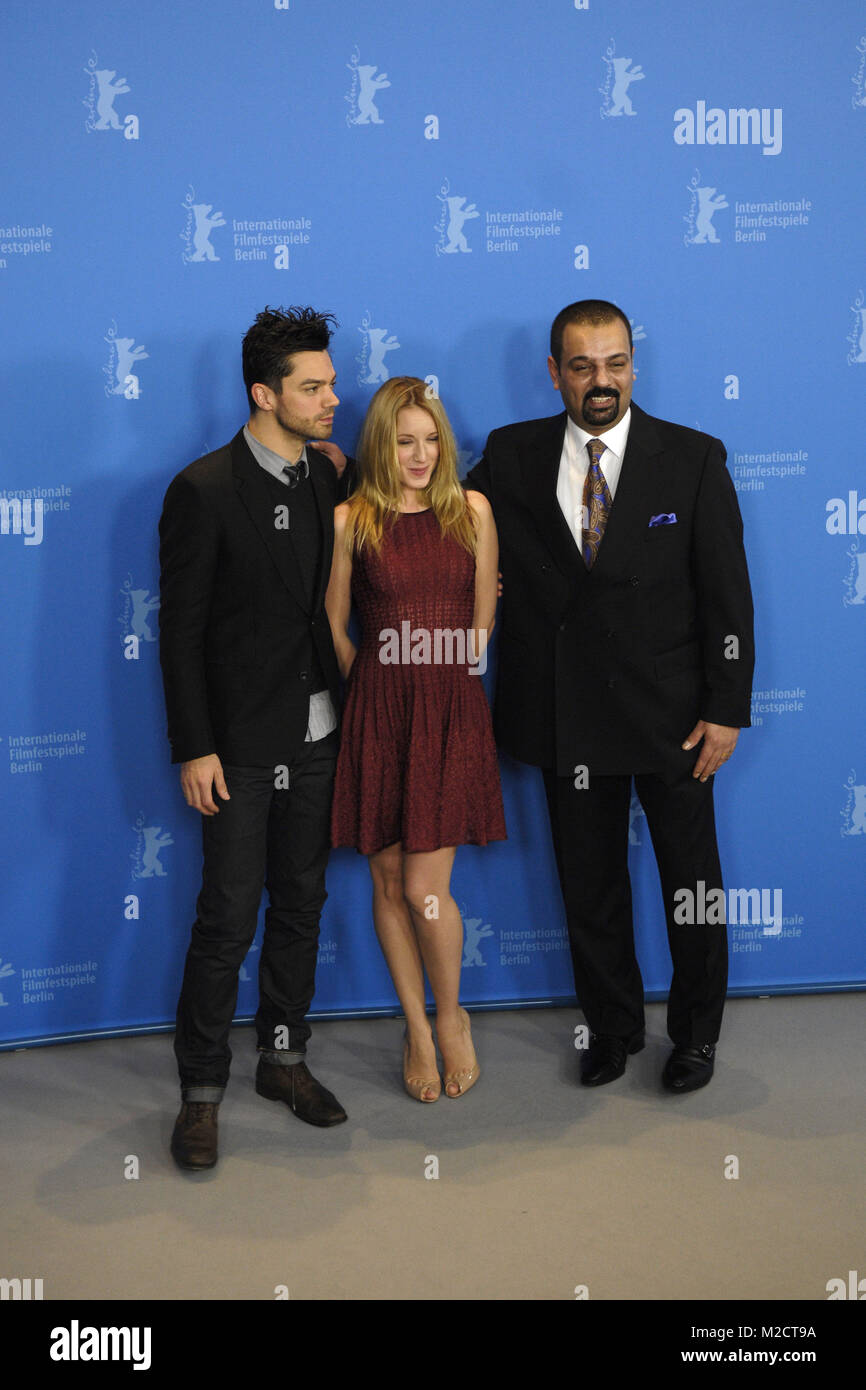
(378, 496)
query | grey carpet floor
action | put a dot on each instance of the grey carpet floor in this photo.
(543, 1188)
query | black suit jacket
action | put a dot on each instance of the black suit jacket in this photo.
(237, 632)
(610, 669)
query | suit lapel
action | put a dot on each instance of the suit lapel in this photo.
(539, 469)
(256, 498)
(636, 492)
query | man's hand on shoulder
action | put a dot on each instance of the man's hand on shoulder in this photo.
(198, 779)
(331, 451)
(719, 743)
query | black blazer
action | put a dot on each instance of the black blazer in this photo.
(610, 669)
(237, 633)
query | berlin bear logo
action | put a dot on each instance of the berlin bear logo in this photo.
(857, 336)
(122, 361)
(620, 76)
(108, 90)
(705, 203)
(199, 225)
(623, 76)
(367, 83)
(155, 839)
(152, 839)
(371, 359)
(371, 85)
(855, 587)
(854, 815)
(105, 88)
(709, 203)
(458, 213)
(476, 931)
(142, 607)
(380, 341)
(204, 225)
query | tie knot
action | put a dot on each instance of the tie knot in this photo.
(295, 471)
(596, 449)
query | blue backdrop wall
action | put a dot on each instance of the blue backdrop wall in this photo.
(444, 177)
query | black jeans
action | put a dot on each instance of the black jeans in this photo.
(262, 837)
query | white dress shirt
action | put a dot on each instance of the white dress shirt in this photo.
(574, 466)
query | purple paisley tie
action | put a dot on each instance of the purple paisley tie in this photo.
(597, 503)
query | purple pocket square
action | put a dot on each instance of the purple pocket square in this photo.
(664, 519)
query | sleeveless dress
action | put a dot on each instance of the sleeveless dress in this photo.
(417, 759)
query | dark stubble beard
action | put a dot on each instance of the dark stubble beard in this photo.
(303, 429)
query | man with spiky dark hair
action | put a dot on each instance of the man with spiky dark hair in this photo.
(252, 695)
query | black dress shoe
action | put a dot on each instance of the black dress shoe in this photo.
(300, 1091)
(689, 1068)
(194, 1141)
(605, 1057)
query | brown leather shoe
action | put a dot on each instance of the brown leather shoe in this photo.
(194, 1141)
(300, 1091)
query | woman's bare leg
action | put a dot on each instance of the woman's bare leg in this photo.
(396, 932)
(439, 928)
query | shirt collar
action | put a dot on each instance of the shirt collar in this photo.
(614, 439)
(267, 459)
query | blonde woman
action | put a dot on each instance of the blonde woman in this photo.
(417, 773)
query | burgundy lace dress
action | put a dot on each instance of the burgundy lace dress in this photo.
(417, 757)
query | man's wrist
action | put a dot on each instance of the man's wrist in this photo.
(186, 757)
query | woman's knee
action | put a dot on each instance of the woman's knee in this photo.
(386, 871)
